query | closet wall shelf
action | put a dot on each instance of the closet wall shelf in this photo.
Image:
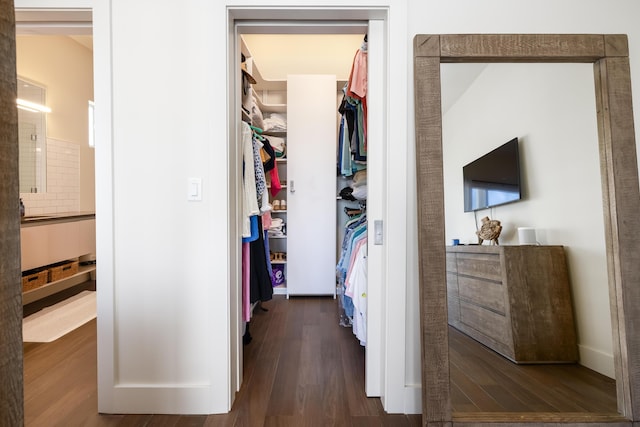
(270, 108)
(277, 237)
(279, 133)
(278, 211)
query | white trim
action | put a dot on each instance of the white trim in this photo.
(413, 399)
(100, 11)
(597, 360)
(104, 175)
(374, 351)
(376, 168)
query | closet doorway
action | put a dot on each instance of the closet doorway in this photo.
(374, 30)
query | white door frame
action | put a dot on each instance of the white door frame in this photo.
(253, 20)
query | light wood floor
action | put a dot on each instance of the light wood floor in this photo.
(302, 369)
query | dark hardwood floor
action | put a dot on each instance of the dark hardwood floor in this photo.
(484, 381)
(302, 369)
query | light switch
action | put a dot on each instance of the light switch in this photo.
(194, 191)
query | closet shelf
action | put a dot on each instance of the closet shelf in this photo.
(279, 133)
(277, 237)
(278, 211)
(271, 108)
(278, 262)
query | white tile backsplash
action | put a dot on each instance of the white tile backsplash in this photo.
(63, 181)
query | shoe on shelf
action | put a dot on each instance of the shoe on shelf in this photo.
(276, 205)
(283, 205)
(279, 256)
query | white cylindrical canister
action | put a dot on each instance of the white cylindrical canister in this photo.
(527, 235)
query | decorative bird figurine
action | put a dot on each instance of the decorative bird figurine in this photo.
(489, 230)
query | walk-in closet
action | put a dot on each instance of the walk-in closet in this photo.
(304, 174)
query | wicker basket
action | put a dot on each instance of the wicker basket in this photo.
(33, 279)
(62, 270)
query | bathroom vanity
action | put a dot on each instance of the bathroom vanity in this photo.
(47, 240)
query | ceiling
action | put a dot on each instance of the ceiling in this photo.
(75, 24)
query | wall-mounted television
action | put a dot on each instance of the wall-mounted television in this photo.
(493, 179)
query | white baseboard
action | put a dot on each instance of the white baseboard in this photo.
(412, 399)
(597, 360)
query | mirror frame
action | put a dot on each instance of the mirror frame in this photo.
(620, 195)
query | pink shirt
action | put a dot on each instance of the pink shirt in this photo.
(358, 78)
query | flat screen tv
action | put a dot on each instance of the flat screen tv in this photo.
(493, 179)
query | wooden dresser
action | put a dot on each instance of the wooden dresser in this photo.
(515, 300)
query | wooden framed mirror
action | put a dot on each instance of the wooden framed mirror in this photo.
(621, 204)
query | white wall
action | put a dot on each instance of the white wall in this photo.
(551, 109)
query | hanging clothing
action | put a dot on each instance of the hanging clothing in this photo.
(246, 282)
(249, 192)
(352, 138)
(351, 273)
(356, 289)
(260, 280)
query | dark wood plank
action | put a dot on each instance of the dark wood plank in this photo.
(494, 384)
(332, 392)
(618, 161)
(522, 47)
(436, 402)
(301, 368)
(11, 385)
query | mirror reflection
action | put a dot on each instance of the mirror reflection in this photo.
(31, 137)
(550, 108)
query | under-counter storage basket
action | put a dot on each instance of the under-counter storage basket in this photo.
(62, 270)
(33, 279)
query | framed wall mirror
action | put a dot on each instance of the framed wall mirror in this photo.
(620, 196)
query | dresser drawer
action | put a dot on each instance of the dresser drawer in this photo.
(453, 312)
(451, 263)
(488, 323)
(452, 284)
(485, 266)
(483, 293)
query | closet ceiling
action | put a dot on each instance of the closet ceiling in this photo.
(276, 55)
